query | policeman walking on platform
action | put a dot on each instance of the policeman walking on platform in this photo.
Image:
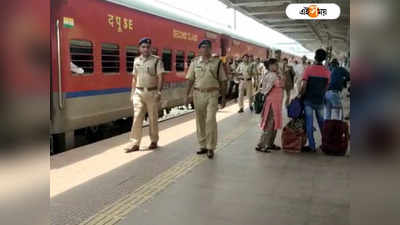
(208, 79)
(246, 71)
(147, 83)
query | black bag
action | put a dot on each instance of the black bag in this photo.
(258, 102)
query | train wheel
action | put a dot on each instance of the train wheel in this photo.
(94, 133)
(61, 142)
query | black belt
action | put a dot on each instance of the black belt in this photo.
(245, 79)
(148, 89)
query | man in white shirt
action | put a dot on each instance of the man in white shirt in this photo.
(299, 70)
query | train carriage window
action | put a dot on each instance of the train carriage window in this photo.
(110, 58)
(154, 51)
(190, 56)
(81, 56)
(131, 53)
(167, 58)
(180, 61)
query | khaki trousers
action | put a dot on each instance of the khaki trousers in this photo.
(247, 86)
(145, 102)
(206, 107)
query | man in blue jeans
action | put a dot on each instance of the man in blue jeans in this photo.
(315, 82)
(339, 77)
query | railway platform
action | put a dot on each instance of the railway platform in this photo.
(99, 184)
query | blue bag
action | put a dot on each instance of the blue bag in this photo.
(295, 108)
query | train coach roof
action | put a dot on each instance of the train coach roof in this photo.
(147, 8)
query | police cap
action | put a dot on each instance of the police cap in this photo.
(145, 40)
(205, 42)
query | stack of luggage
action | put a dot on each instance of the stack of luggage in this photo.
(294, 135)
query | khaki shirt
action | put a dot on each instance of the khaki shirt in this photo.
(145, 71)
(204, 73)
(246, 69)
(260, 68)
(280, 67)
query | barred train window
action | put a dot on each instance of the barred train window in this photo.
(180, 61)
(166, 59)
(110, 58)
(131, 53)
(82, 55)
(190, 56)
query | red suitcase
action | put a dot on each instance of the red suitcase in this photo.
(335, 137)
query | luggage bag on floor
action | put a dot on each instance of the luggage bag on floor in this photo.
(294, 135)
(335, 136)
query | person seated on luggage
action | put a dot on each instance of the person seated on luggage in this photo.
(272, 86)
(315, 82)
(339, 77)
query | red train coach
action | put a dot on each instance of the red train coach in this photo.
(100, 38)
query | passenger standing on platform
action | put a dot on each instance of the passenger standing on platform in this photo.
(208, 79)
(272, 85)
(258, 68)
(231, 78)
(235, 88)
(315, 83)
(246, 71)
(288, 73)
(299, 70)
(339, 77)
(147, 83)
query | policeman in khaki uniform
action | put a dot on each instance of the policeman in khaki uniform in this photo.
(147, 84)
(246, 70)
(208, 79)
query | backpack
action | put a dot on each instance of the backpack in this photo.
(295, 108)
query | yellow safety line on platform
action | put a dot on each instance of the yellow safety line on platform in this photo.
(115, 212)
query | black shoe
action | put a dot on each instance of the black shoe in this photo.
(251, 108)
(265, 150)
(258, 148)
(153, 145)
(274, 147)
(241, 110)
(307, 149)
(202, 151)
(210, 154)
(133, 149)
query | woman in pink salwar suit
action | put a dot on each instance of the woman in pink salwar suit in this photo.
(272, 85)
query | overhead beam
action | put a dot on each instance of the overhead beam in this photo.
(288, 25)
(276, 20)
(261, 4)
(267, 13)
(306, 39)
(316, 33)
(290, 30)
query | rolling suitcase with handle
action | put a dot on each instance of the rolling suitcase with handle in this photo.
(335, 135)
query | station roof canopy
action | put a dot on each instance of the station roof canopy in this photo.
(312, 34)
